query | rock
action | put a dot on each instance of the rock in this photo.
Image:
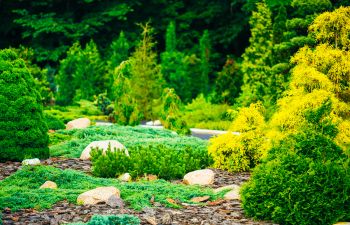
(98, 195)
(115, 145)
(200, 199)
(115, 202)
(166, 219)
(49, 185)
(151, 177)
(151, 220)
(31, 162)
(80, 123)
(201, 177)
(154, 123)
(228, 187)
(125, 177)
(342, 223)
(231, 195)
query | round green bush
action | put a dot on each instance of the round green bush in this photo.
(304, 181)
(23, 132)
(53, 123)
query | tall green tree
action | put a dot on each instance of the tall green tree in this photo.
(90, 76)
(146, 78)
(205, 54)
(174, 67)
(66, 85)
(257, 57)
(119, 51)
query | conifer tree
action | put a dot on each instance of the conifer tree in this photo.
(119, 51)
(66, 86)
(174, 66)
(205, 51)
(23, 132)
(146, 78)
(256, 58)
(90, 76)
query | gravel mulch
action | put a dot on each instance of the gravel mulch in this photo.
(222, 212)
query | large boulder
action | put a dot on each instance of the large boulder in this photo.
(201, 177)
(80, 123)
(31, 162)
(98, 195)
(115, 145)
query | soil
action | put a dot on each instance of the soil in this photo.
(221, 212)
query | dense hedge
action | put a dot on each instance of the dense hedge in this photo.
(305, 179)
(23, 132)
(165, 162)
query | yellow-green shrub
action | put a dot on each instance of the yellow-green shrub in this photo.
(240, 152)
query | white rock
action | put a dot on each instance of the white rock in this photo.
(342, 223)
(154, 123)
(233, 194)
(31, 162)
(98, 195)
(80, 123)
(49, 184)
(201, 177)
(228, 187)
(125, 177)
(115, 145)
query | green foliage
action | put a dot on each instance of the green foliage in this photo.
(305, 178)
(205, 55)
(165, 162)
(53, 123)
(58, 138)
(228, 83)
(65, 77)
(257, 57)
(242, 151)
(174, 67)
(128, 136)
(104, 104)
(23, 132)
(21, 189)
(197, 115)
(121, 219)
(119, 51)
(171, 114)
(82, 108)
(89, 76)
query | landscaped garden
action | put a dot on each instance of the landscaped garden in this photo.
(175, 112)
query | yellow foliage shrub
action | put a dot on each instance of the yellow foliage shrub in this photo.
(241, 152)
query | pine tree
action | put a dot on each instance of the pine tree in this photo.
(90, 76)
(23, 132)
(119, 51)
(146, 78)
(256, 58)
(174, 67)
(205, 51)
(66, 86)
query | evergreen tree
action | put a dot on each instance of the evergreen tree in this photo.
(256, 58)
(23, 132)
(66, 86)
(146, 78)
(205, 51)
(119, 51)
(174, 66)
(90, 76)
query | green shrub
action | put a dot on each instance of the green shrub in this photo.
(305, 179)
(158, 160)
(21, 189)
(122, 219)
(23, 132)
(57, 138)
(170, 115)
(128, 136)
(203, 114)
(53, 123)
(103, 103)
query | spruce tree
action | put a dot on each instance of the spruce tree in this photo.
(256, 58)
(205, 51)
(119, 51)
(146, 78)
(66, 86)
(23, 132)
(174, 67)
